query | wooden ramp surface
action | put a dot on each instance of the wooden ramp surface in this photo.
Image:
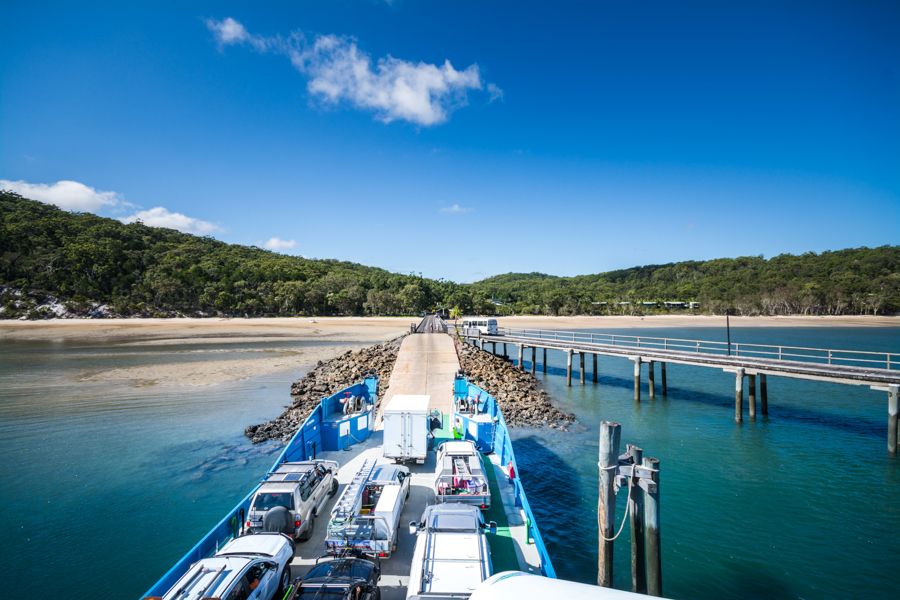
(426, 364)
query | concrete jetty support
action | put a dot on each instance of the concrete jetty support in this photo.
(569, 368)
(521, 352)
(594, 371)
(739, 396)
(651, 380)
(544, 362)
(581, 368)
(533, 359)
(751, 396)
(662, 376)
(637, 378)
(893, 417)
(763, 395)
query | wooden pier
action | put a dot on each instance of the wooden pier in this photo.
(750, 363)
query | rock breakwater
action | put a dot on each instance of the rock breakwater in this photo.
(521, 398)
(326, 378)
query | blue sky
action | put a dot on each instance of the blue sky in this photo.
(462, 140)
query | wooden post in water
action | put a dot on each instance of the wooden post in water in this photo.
(569, 368)
(610, 435)
(651, 527)
(738, 396)
(533, 359)
(581, 370)
(545, 360)
(594, 372)
(763, 395)
(751, 396)
(636, 510)
(651, 379)
(662, 372)
(893, 408)
(521, 352)
(637, 378)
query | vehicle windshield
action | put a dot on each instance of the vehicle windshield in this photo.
(354, 569)
(265, 501)
(453, 522)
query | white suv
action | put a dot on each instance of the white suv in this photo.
(291, 497)
(252, 567)
(452, 556)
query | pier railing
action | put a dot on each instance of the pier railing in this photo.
(826, 356)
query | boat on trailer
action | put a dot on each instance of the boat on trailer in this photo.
(351, 439)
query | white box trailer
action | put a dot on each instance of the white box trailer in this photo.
(406, 428)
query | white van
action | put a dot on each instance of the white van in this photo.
(484, 326)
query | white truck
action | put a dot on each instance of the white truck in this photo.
(406, 428)
(254, 567)
(452, 556)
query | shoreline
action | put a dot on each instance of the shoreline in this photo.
(147, 331)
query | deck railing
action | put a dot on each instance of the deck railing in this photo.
(828, 356)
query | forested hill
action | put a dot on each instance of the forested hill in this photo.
(53, 262)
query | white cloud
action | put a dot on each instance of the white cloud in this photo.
(70, 195)
(338, 71)
(456, 209)
(277, 244)
(162, 217)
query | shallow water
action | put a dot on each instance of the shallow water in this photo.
(105, 485)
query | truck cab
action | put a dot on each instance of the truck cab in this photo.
(461, 476)
(452, 556)
(291, 496)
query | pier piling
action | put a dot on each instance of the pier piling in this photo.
(739, 396)
(610, 435)
(581, 368)
(533, 359)
(662, 373)
(763, 395)
(751, 396)
(651, 527)
(893, 432)
(636, 510)
(569, 368)
(521, 352)
(594, 372)
(637, 378)
(651, 381)
(545, 360)
(505, 353)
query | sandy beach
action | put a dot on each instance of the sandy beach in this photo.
(221, 350)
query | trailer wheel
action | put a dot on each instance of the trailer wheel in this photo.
(334, 487)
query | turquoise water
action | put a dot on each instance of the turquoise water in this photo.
(106, 485)
(799, 505)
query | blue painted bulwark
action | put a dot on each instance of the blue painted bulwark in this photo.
(312, 437)
(494, 437)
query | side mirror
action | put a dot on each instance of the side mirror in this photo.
(413, 528)
(492, 527)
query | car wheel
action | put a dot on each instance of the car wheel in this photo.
(334, 487)
(377, 594)
(285, 582)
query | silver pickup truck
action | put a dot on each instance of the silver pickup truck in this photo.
(461, 476)
(291, 497)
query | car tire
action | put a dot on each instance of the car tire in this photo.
(334, 487)
(377, 594)
(285, 582)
